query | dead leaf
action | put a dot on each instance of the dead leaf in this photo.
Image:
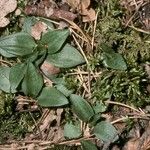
(73, 3)
(140, 143)
(132, 144)
(6, 7)
(49, 10)
(83, 7)
(18, 12)
(90, 15)
(49, 69)
(38, 29)
(48, 127)
(86, 3)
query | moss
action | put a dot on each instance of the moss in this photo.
(6, 103)
(110, 29)
(14, 125)
(124, 86)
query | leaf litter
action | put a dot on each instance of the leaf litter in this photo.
(83, 8)
(6, 7)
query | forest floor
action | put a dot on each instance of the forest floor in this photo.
(75, 74)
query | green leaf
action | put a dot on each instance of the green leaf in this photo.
(96, 118)
(88, 145)
(81, 107)
(54, 40)
(106, 48)
(16, 75)
(113, 60)
(41, 58)
(28, 23)
(66, 58)
(64, 90)
(36, 57)
(32, 82)
(5, 54)
(72, 131)
(18, 44)
(99, 107)
(4, 79)
(105, 131)
(51, 97)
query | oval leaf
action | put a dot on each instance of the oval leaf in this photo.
(28, 23)
(18, 44)
(88, 145)
(32, 82)
(16, 75)
(72, 131)
(51, 97)
(105, 131)
(4, 79)
(67, 57)
(54, 40)
(63, 89)
(113, 60)
(81, 107)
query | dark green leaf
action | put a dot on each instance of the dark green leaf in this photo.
(88, 145)
(36, 57)
(105, 131)
(106, 48)
(67, 57)
(64, 90)
(41, 58)
(58, 80)
(4, 79)
(32, 82)
(113, 60)
(51, 97)
(32, 57)
(54, 40)
(18, 44)
(72, 131)
(96, 118)
(5, 54)
(16, 75)
(81, 107)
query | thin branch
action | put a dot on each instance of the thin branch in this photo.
(139, 30)
(121, 104)
(126, 117)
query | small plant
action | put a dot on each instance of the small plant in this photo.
(112, 72)
(24, 76)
